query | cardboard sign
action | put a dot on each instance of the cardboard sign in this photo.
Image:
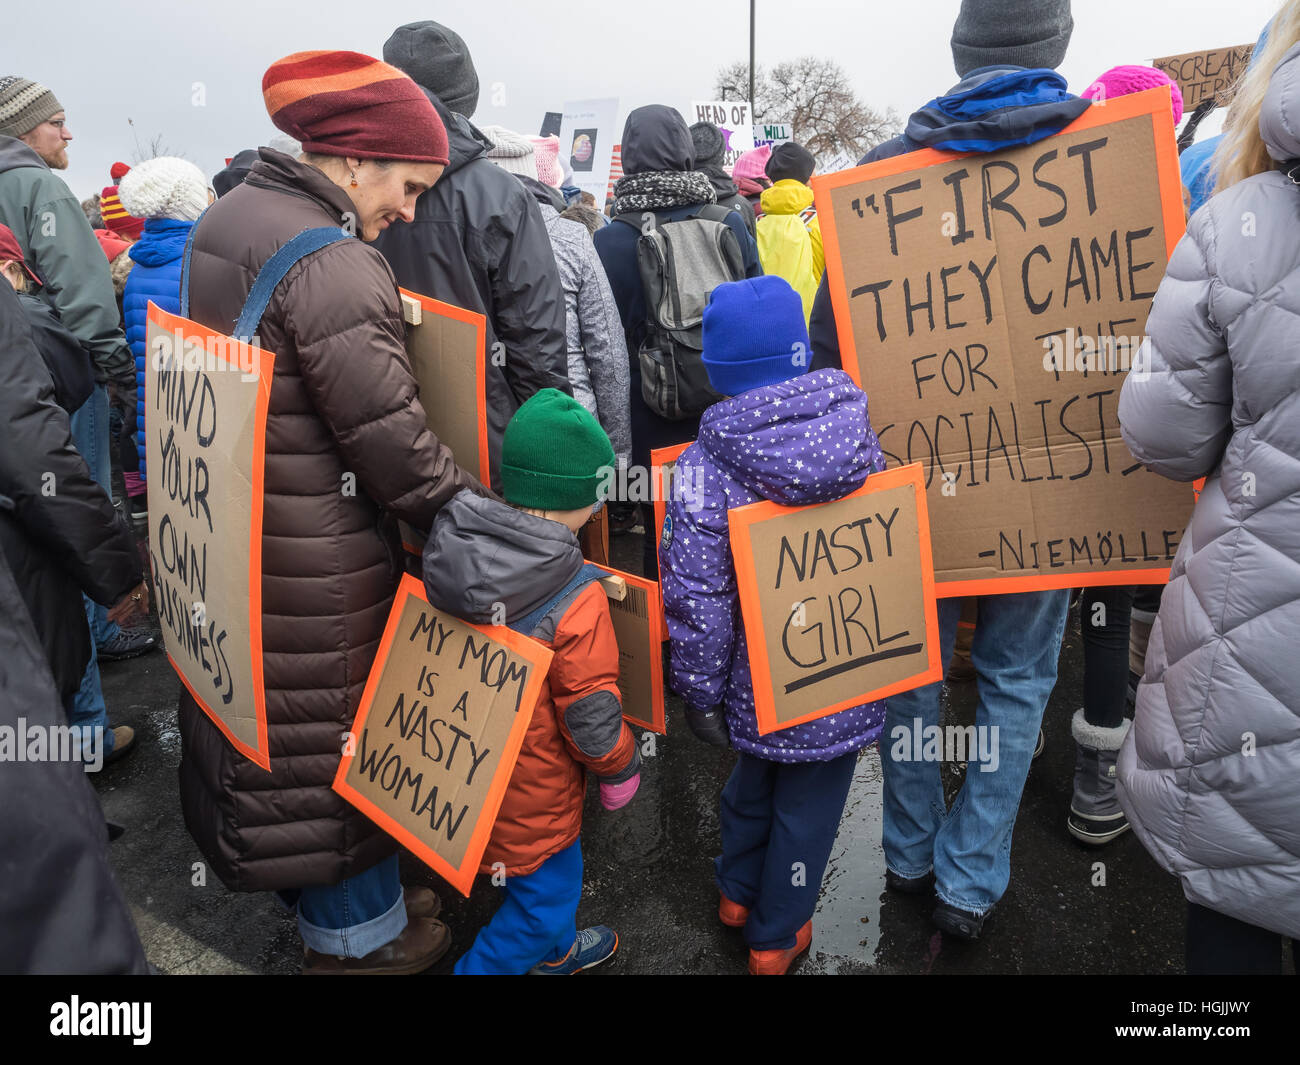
(441, 722)
(445, 344)
(206, 398)
(990, 306)
(587, 135)
(837, 599)
(736, 120)
(662, 461)
(1206, 75)
(637, 621)
(771, 133)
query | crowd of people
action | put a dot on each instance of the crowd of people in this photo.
(666, 315)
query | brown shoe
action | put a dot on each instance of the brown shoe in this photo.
(421, 902)
(123, 744)
(422, 942)
(961, 669)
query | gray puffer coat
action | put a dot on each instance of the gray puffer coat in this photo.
(1210, 772)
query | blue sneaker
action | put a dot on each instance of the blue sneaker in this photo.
(592, 947)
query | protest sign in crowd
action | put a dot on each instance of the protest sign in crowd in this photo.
(378, 394)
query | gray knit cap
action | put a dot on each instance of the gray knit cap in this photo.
(436, 58)
(24, 105)
(709, 145)
(1022, 33)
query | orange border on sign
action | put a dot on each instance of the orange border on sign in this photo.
(1153, 102)
(460, 877)
(479, 322)
(654, 608)
(740, 522)
(659, 458)
(261, 754)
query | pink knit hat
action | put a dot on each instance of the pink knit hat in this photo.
(1120, 81)
(546, 153)
(753, 164)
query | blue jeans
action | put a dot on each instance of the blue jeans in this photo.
(1015, 651)
(90, 435)
(779, 821)
(537, 921)
(354, 917)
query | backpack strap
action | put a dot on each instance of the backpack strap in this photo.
(588, 573)
(185, 266)
(274, 269)
(713, 212)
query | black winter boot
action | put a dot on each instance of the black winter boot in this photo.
(1096, 816)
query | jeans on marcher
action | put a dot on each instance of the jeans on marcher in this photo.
(90, 435)
(356, 916)
(779, 821)
(1015, 651)
(537, 920)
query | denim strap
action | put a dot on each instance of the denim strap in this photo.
(588, 573)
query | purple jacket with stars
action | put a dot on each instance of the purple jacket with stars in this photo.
(806, 440)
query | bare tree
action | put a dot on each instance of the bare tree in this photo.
(813, 96)
(156, 146)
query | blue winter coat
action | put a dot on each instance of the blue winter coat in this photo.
(806, 440)
(156, 276)
(990, 109)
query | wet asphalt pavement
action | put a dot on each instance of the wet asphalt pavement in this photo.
(649, 866)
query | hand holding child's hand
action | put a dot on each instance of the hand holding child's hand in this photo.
(616, 796)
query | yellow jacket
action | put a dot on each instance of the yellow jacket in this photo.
(790, 239)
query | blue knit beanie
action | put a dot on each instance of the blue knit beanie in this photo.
(754, 335)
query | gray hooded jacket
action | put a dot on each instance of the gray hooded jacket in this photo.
(1210, 772)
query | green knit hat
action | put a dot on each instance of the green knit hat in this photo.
(553, 453)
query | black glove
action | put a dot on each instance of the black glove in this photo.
(709, 726)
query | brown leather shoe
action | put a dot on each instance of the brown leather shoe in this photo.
(422, 942)
(421, 902)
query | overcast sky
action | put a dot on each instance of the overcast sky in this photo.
(140, 59)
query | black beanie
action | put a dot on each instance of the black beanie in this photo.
(790, 161)
(1021, 33)
(436, 58)
(709, 144)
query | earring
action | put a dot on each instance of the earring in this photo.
(354, 179)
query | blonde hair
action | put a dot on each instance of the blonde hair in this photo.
(1242, 153)
(13, 269)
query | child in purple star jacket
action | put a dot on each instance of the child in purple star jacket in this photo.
(794, 438)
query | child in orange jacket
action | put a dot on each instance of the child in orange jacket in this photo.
(521, 558)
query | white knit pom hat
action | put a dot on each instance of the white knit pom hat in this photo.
(510, 151)
(165, 187)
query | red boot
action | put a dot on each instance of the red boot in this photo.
(778, 962)
(732, 914)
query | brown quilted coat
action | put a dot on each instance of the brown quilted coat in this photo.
(343, 401)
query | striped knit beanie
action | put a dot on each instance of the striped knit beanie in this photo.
(115, 216)
(349, 104)
(24, 105)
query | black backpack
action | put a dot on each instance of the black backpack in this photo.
(681, 263)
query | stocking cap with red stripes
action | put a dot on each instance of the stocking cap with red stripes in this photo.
(349, 104)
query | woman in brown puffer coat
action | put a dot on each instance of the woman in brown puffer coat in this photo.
(347, 451)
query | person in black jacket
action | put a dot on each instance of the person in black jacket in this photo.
(61, 911)
(478, 240)
(58, 528)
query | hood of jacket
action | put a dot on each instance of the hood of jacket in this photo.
(482, 552)
(656, 138)
(543, 193)
(14, 153)
(162, 242)
(1279, 117)
(723, 185)
(787, 196)
(464, 142)
(751, 438)
(992, 108)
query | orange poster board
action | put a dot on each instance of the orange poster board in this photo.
(206, 397)
(662, 460)
(991, 306)
(447, 349)
(837, 599)
(638, 618)
(439, 729)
